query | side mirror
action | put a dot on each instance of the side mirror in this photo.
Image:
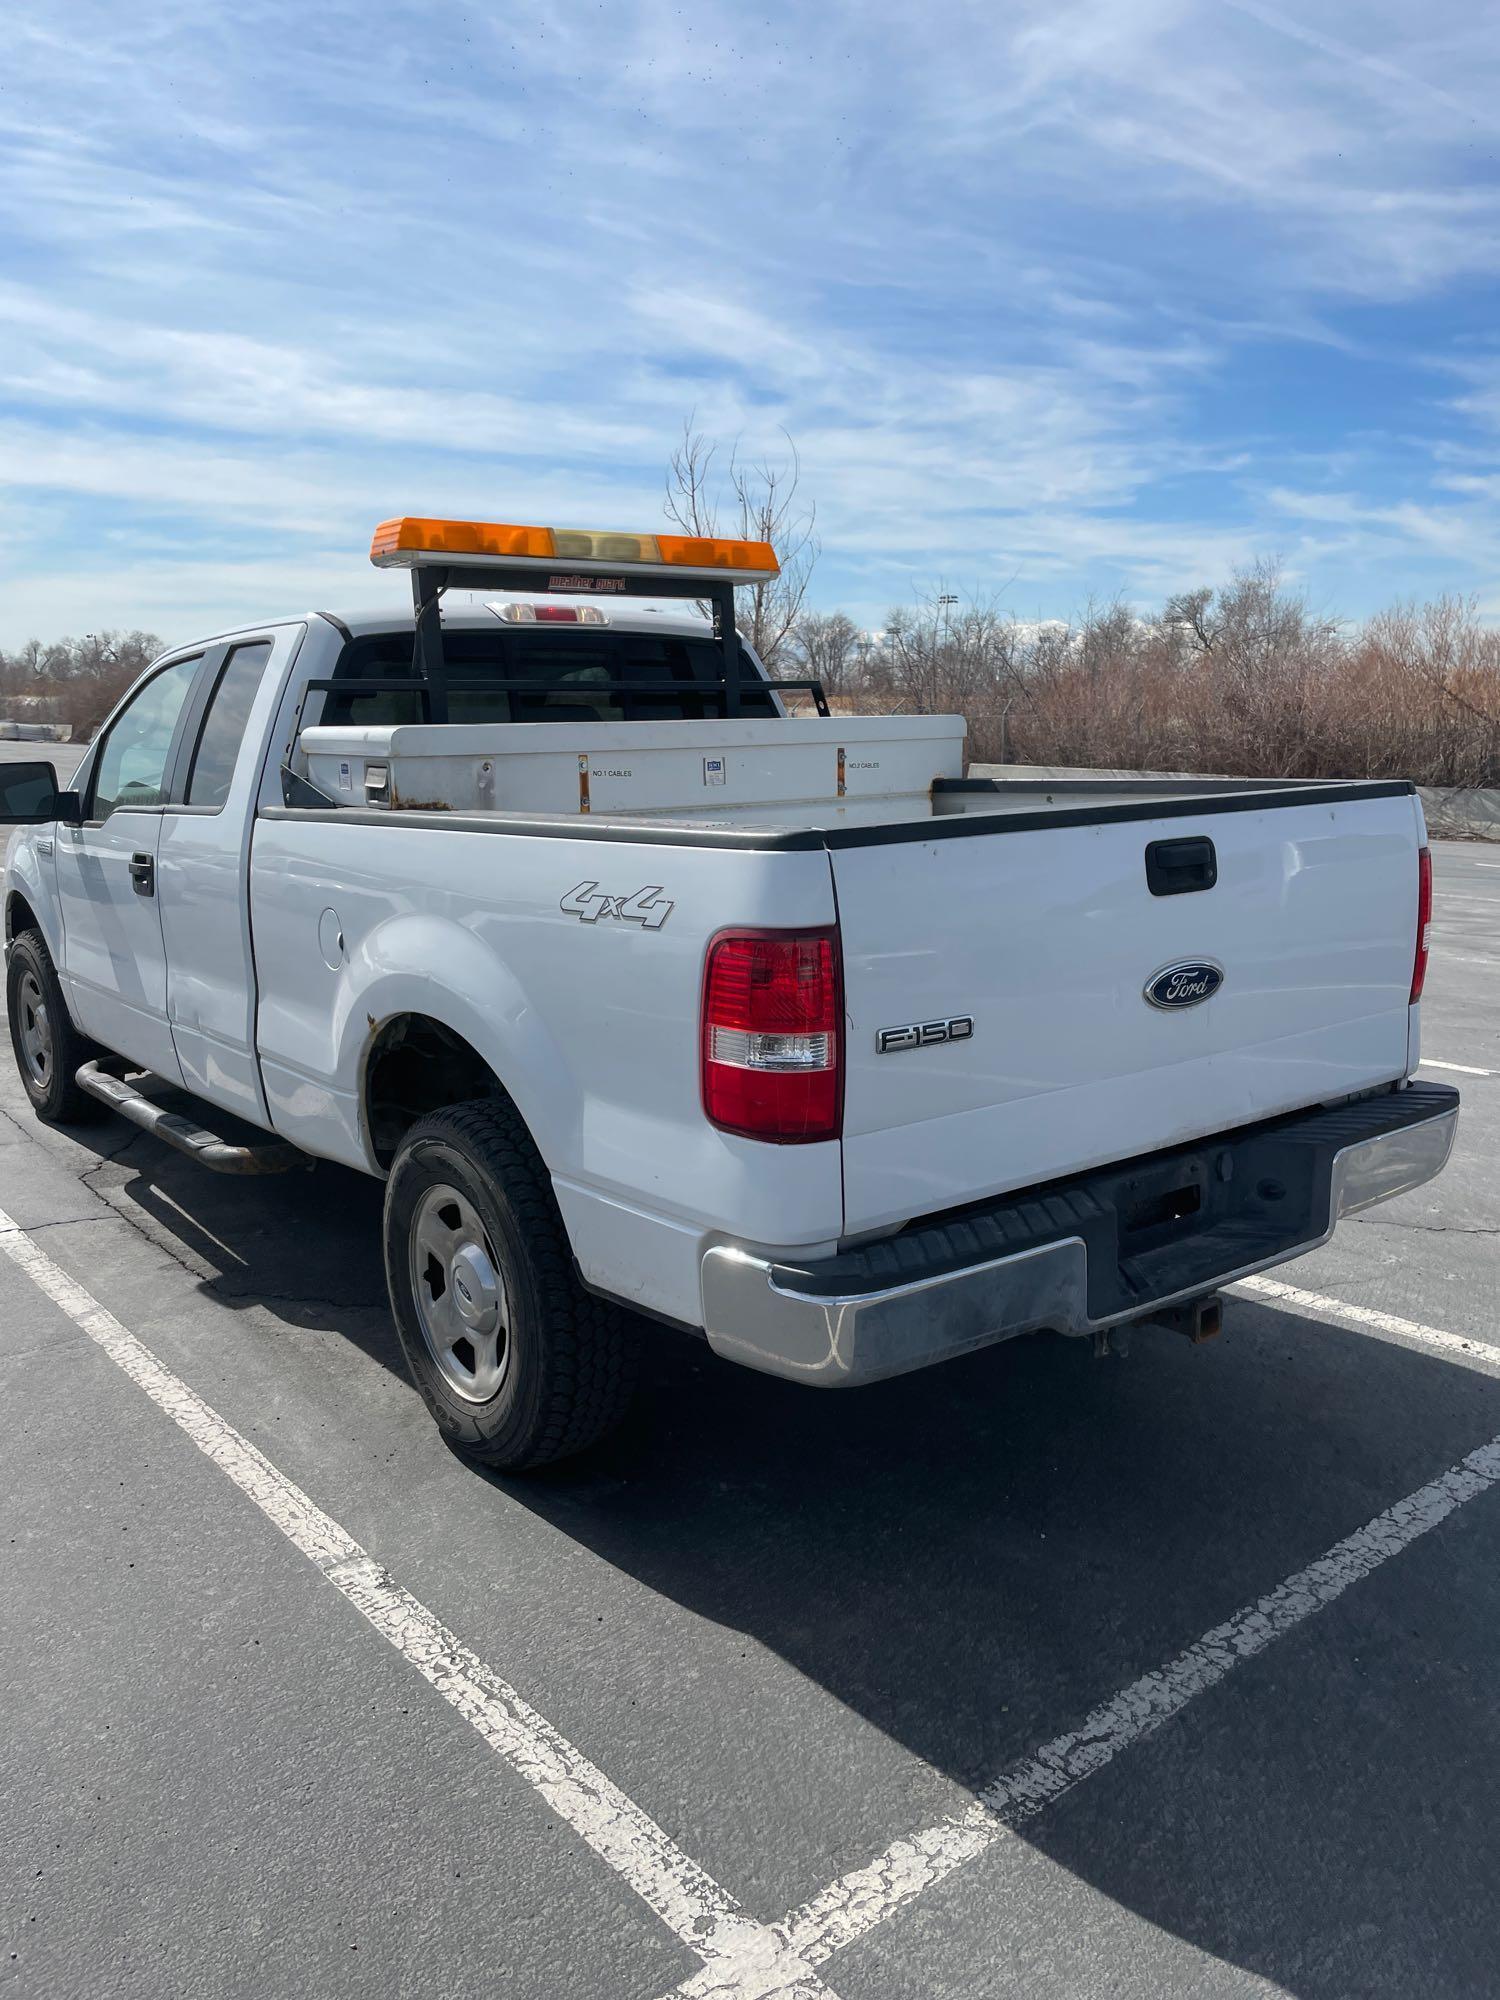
(29, 796)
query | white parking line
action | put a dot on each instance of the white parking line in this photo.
(689, 1902)
(1408, 1332)
(1464, 1069)
(742, 1959)
(858, 1902)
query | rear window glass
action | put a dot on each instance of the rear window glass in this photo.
(224, 725)
(585, 663)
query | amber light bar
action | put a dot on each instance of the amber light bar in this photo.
(411, 540)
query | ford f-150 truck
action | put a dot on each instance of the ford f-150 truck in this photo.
(649, 999)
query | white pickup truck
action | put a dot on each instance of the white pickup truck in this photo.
(650, 1000)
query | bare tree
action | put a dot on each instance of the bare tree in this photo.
(763, 500)
(76, 681)
(828, 646)
(1188, 614)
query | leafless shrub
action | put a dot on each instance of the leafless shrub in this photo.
(1430, 680)
(1249, 682)
(945, 655)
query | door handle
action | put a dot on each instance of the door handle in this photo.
(1179, 867)
(143, 874)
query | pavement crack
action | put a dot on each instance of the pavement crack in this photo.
(254, 1297)
(214, 1284)
(1429, 1228)
(59, 1222)
(108, 1160)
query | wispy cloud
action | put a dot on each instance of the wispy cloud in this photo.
(1074, 299)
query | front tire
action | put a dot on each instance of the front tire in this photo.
(518, 1364)
(48, 1048)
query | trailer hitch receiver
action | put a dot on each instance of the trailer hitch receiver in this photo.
(1200, 1319)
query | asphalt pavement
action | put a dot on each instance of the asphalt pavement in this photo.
(63, 757)
(1034, 1674)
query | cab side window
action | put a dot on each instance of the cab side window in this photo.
(132, 765)
(224, 726)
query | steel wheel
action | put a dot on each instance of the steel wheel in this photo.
(49, 1050)
(35, 1036)
(459, 1294)
(517, 1362)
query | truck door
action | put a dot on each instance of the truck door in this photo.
(203, 869)
(114, 961)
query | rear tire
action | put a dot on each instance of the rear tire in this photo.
(48, 1048)
(518, 1364)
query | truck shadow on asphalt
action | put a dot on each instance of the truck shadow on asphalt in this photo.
(972, 1558)
(306, 1246)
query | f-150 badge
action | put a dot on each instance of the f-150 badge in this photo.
(647, 906)
(924, 1034)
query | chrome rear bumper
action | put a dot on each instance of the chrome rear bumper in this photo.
(804, 1324)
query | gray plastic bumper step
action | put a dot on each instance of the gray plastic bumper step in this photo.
(221, 1156)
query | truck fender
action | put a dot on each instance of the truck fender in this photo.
(24, 877)
(421, 964)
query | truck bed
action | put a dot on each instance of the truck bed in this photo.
(760, 775)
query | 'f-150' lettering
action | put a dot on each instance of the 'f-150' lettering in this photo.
(925, 1034)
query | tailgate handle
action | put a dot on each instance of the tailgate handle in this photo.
(1178, 867)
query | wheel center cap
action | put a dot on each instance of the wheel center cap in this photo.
(476, 1289)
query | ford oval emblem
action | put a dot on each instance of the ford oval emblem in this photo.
(1186, 984)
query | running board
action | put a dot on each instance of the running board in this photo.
(207, 1148)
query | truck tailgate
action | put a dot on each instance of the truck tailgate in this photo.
(1046, 936)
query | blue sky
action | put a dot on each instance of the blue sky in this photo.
(1057, 300)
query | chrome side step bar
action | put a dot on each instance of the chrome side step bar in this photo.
(207, 1148)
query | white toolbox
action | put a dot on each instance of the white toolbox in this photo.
(697, 769)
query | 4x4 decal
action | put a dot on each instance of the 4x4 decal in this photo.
(647, 906)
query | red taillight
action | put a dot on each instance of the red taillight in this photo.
(1424, 921)
(771, 1067)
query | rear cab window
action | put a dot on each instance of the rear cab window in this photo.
(594, 670)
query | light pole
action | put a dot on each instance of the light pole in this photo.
(946, 598)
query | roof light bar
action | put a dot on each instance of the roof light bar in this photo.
(410, 540)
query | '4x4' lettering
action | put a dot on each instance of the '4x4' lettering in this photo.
(647, 906)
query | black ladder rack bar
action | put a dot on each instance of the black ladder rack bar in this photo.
(700, 691)
(721, 596)
(429, 580)
(427, 641)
